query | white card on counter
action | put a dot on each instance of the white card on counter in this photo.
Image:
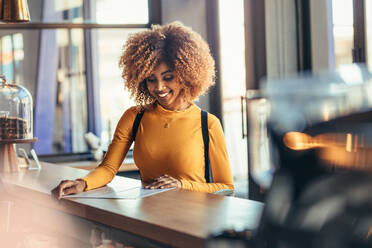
(108, 192)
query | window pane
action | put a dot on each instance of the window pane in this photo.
(343, 30)
(231, 14)
(58, 86)
(114, 99)
(102, 11)
(64, 105)
(56, 10)
(71, 112)
(17, 58)
(122, 11)
(368, 15)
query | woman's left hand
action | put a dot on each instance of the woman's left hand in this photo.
(164, 182)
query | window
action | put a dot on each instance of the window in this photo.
(11, 56)
(233, 82)
(352, 31)
(67, 57)
(343, 30)
(114, 100)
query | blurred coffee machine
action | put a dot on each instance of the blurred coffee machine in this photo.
(319, 129)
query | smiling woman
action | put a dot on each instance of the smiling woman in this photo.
(165, 69)
(184, 51)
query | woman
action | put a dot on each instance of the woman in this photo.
(164, 69)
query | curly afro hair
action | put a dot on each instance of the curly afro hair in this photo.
(182, 49)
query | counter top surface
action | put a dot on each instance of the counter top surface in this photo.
(176, 217)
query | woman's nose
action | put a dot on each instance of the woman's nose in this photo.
(160, 85)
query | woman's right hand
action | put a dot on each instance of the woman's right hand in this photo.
(68, 187)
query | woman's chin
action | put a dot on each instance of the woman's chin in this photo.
(164, 101)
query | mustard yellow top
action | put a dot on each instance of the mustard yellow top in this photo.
(168, 142)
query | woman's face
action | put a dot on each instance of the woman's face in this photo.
(165, 88)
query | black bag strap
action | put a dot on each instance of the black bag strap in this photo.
(204, 124)
(136, 124)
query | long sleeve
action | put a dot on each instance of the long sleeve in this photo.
(116, 152)
(221, 172)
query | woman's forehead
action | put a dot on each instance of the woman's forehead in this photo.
(161, 67)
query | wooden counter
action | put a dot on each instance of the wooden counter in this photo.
(177, 217)
(91, 165)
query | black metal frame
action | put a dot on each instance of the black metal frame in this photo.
(304, 62)
(213, 38)
(255, 57)
(359, 49)
(255, 48)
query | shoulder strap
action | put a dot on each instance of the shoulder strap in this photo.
(204, 124)
(136, 124)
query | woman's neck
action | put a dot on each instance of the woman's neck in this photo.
(179, 107)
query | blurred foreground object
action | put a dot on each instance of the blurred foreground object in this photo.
(319, 129)
(95, 144)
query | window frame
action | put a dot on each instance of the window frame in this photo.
(359, 50)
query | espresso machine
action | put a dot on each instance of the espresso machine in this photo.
(318, 132)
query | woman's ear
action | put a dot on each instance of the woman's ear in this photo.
(142, 86)
(184, 93)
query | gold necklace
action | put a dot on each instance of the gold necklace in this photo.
(167, 123)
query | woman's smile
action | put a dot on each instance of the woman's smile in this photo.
(163, 95)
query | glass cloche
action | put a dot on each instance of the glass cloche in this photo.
(15, 111)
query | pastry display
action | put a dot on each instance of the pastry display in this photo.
(15, 112)
(13, 128)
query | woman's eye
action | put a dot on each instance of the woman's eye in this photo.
(168, 78)
(151, 80)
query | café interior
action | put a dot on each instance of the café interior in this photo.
(293, 93)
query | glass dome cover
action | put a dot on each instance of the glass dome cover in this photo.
(15, 112)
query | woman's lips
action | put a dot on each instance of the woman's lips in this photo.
(163, 95)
